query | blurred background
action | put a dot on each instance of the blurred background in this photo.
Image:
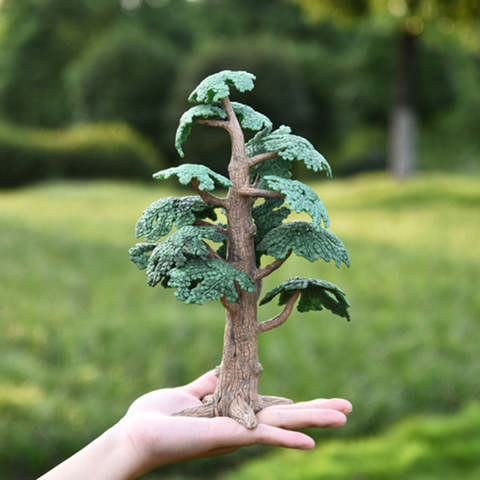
(91, 93)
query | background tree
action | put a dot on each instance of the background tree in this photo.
(134, 61)
(124, 76)
(408, 19)
(39, 40)
(233, 271)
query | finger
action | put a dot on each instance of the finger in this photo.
(302, 418)
(228, 432)
(339, 404)
(278, 437)
(202, 386)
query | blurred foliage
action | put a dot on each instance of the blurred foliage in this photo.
(136, 61)
(39, 39)
(125, 76)
(405, 21)
(412, 16)
(416, 449)
(90, 151)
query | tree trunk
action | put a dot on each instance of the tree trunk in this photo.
(404, 128)
(236, 395)
(237, 390)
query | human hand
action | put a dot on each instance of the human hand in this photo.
(148, 436)
(158, 438)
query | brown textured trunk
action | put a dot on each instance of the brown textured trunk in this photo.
(236, 395)
(237, 390)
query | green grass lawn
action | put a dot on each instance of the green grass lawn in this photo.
(82, 334)
(425, 448)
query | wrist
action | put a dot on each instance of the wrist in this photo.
(119, 458)
(111, 456)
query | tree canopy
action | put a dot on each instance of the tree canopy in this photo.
(407, 19)
(198, 271)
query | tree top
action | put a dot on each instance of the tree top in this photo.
(217, 86)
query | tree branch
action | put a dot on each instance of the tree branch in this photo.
(257, 192)
(262, 273)
(203, 223)
(208, 197)
(224, 302)
(227, 105)
(212, 123)
(213, 253)
(236, 134)
(281, 317)
(262, 157)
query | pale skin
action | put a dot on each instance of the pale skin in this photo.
(148, 436)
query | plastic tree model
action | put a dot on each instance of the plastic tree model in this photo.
(255, 206)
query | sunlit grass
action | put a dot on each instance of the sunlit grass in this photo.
(440, 448)
(83, 334)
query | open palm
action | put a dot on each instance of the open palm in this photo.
(159, 438)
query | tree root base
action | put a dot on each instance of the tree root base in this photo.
(238, 409)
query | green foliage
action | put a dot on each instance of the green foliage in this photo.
(39, 39)
(62, 62)
(102, 91)
(187, 172)
(247, 116)
(301, 198)
(188, 119)
(256, 144)
(267, 215)
(292, 147)
(305, 241)
(397, 16)
(90, 151)
(280, 73)
(140, 254)
(433, 447)
(250, 118)
(314, 295)
(276, 166)
(158, 218)
(210, 279)
(343, 11)
(184, 245)
(217, 86)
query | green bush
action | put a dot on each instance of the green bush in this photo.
(88, 151)
(124, 77)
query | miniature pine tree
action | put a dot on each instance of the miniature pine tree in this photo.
(261, 195)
